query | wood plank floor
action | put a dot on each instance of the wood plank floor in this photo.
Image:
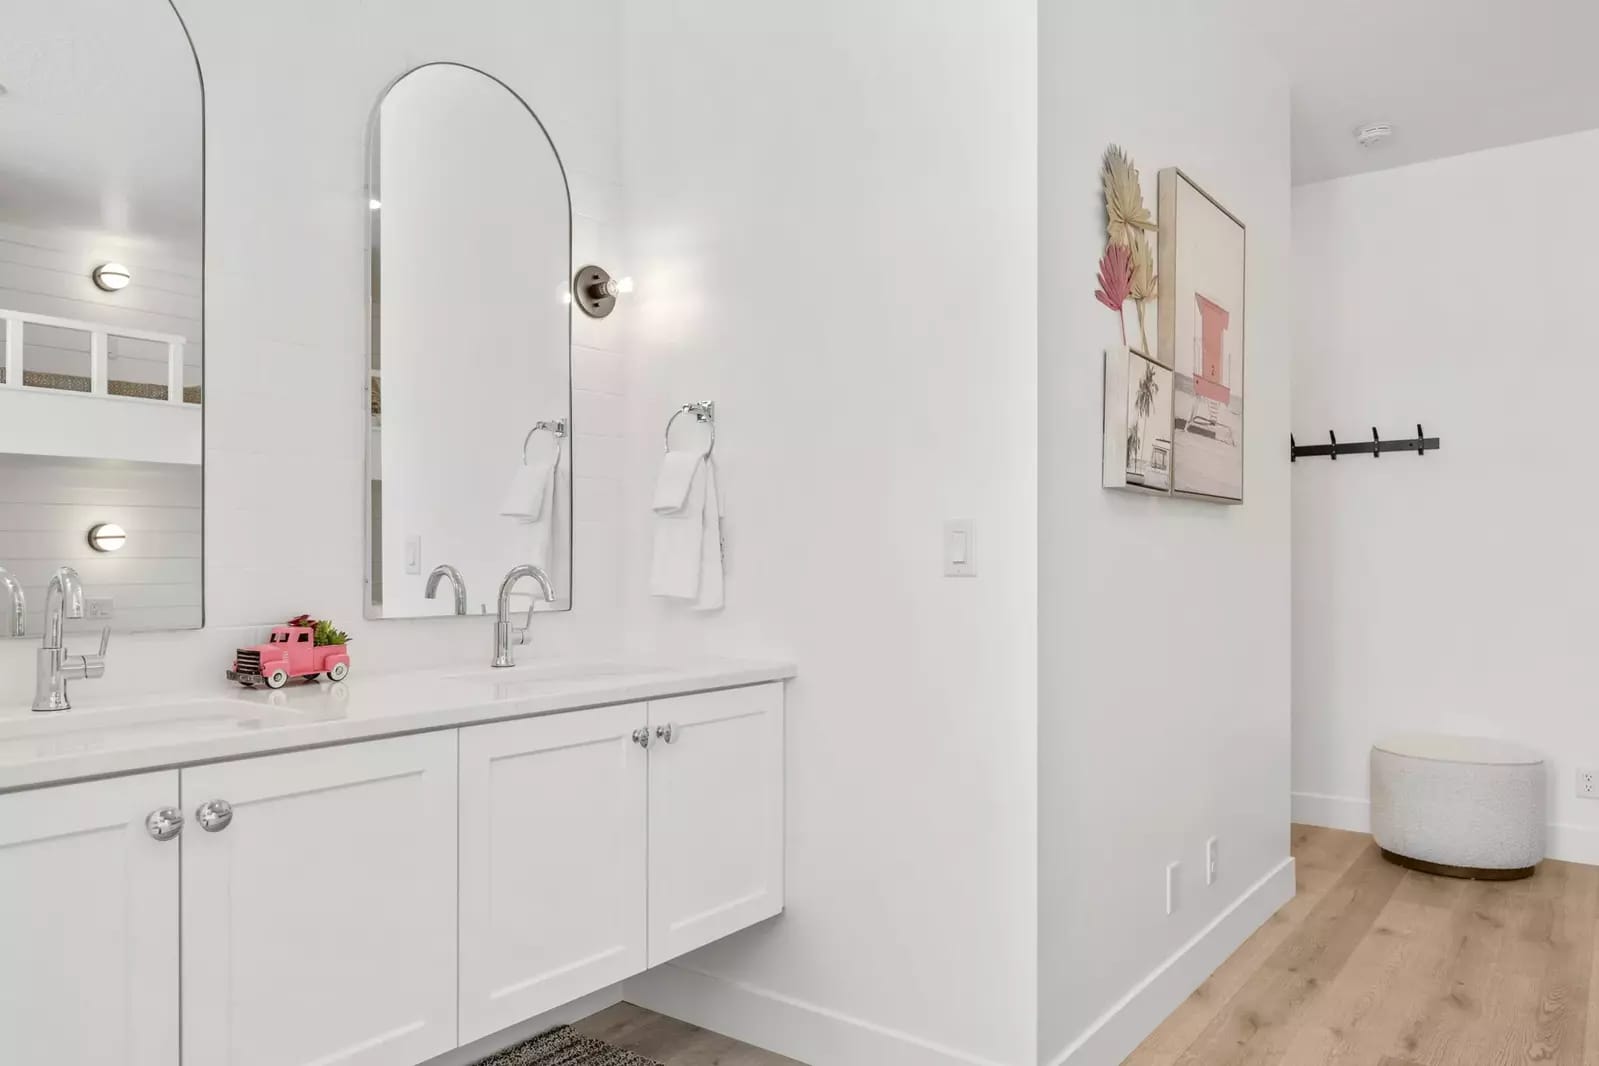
(1372, 965)
(672, 1042)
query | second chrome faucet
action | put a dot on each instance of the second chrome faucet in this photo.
(505, 634)
(63, 599)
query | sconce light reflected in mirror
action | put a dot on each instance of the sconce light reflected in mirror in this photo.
(597, 291)
(107, 537)
(111, 276)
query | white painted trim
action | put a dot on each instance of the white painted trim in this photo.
(1114, 1035)
(784, 1024)
(478, 1050)
(1568, 843)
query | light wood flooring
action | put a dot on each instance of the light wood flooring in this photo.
(1373, 965)
(1368, 965)
(673, 1042)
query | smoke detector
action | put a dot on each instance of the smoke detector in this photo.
(1373, 133)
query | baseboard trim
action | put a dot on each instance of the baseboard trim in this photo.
(1568, 843)
(784, 1024)
(1114, 1035)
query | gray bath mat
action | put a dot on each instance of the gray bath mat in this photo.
(566, 1047)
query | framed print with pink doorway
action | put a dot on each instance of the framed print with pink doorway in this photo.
(1201, 337)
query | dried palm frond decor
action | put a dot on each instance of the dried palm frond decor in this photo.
(1115, 280)
(1128, 224)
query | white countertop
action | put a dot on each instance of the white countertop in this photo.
(227, 722)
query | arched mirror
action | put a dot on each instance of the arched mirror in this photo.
(469, 454)
(101, 311)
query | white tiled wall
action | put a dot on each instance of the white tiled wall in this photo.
(290, 87)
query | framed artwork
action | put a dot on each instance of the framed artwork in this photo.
(1138, 420)
(1201, 337)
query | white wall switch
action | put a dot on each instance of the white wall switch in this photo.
(100, 606)
(1171, 886)
(1588, 783)
(413, 555)
(960, 549)
(1210, 861)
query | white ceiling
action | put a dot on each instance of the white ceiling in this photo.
(100, 124)
(1452, 76)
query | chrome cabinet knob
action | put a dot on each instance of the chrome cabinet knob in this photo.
(641, 737)
(667, 732)
(214, 815)
(164, 824)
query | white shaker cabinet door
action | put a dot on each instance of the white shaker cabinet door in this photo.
(716, 816)
(552, 862)
(89, 937)
(319, 921)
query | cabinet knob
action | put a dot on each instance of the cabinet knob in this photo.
(214, 815)
(667, 732)
(164, 824)
(641, 737)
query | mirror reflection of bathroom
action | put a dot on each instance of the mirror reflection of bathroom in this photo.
(101, 381)
(469, 458)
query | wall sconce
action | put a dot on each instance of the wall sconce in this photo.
(597, 291)
(107, 537)
(111, 276)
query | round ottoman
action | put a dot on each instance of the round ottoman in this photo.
(1458, 806)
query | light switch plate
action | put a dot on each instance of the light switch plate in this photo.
(960, 548)
(99, 606)
(413, 555)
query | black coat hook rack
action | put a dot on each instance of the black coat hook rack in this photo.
(1421, 444)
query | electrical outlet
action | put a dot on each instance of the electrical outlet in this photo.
(1210, 861)
(1588, 783)
(99, 606)
(1171, 886)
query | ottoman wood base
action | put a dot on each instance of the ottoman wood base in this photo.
(1469, 873)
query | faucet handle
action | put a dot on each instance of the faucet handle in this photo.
(105, 640)
(519, 635)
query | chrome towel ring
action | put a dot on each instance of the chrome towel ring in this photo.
(704, 411)
(557, 429)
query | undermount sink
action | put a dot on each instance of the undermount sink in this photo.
(101, 728)
(551, 673)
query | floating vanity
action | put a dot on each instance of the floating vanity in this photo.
(378, 871)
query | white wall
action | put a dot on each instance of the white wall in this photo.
(289, 89)
(833, 213)
(1154, 736)
(1449, 592)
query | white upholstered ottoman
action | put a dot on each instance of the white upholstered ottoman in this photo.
(1459, 806)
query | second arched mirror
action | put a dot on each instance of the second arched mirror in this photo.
(469, 457)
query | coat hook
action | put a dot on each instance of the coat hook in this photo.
(1334, 438)
(1376, 444)
(1421, 441)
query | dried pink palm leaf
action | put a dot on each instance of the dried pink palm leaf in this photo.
(1115, 281)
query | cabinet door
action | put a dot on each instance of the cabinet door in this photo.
(716, 816)
(89, 941)
(552, 862)
(319, 924)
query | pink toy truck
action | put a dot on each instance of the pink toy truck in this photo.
(292, 652)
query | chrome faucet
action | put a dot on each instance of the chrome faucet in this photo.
(445, 570)
(63, 598)
(17, 618)
(506, 634)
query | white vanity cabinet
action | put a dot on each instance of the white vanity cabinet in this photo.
(552, 862)
(382, 901)
(89, 934)
(716, 816)
(319, 921)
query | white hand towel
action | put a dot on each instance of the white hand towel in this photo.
(675, 568)
(525, 496)
(711, 586)
(675, 480)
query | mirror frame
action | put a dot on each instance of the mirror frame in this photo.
(374, 228)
